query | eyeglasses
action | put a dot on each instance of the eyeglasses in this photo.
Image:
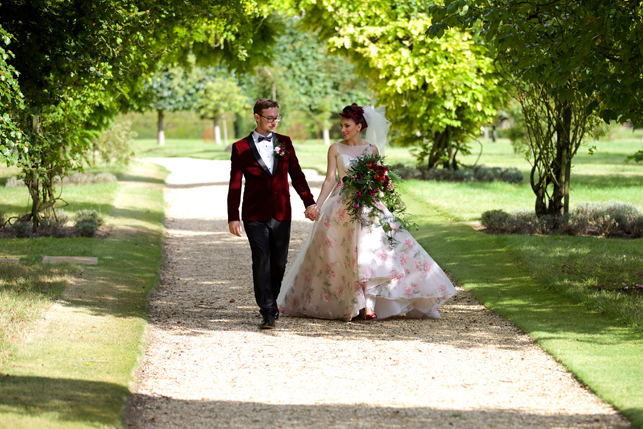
(271, 120)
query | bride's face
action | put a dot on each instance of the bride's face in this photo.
(350, 129)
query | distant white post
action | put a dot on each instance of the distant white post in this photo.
(161, 133)
(326, 133)
(217, 130)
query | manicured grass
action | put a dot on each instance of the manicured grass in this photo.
(74, 369)
(15, 201)
(26, 292)
(601, 273)
(596, 347)
(99, 197)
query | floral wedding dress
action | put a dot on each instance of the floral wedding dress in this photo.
(343, 265)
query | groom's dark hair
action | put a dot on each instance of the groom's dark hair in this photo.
(264, 103)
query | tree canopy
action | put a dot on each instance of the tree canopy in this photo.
(11, 100)
(440, 91)
(600, 42)
(73, 61)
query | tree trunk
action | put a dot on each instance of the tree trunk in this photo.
(449, 149)
(568, 172)
(486, 132)
(326, 133)
(34, 183)
(438, 148)
(217, 130)
(225, 129)
(494, 134)
(161, 132)
(567, 156)
(559, 203)
(453, 151)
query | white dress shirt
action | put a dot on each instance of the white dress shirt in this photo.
(266, 149)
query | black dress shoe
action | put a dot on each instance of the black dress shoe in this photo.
(268, 322)
(276, 315)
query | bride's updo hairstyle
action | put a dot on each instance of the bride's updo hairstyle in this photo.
(356, 113)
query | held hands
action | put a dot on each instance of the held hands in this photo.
(312, 212)
(235, 227)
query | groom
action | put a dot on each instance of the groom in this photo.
(265, 159)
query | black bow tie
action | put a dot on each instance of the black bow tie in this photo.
(262, 138)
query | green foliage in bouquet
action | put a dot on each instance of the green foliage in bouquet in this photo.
(369, 189)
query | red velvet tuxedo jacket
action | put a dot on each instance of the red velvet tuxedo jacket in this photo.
(266, 195)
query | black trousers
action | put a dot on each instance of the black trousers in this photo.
(269, 244)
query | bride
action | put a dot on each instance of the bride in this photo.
(344, 267)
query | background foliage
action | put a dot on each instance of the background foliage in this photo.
(437, 92)
(75, 63)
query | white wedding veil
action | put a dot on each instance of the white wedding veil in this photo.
(378, 126)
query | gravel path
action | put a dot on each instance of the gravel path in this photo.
(208, 365)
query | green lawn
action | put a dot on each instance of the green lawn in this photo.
(76, 368)
(596, 346)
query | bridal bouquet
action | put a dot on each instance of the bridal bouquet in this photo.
(368, 189)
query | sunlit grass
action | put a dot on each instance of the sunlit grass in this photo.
(77, 370)
(26, 292)
(604, 274)
(99, 197)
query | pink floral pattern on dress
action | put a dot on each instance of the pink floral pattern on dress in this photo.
(340, 215)
(368, 273)
(381, 255)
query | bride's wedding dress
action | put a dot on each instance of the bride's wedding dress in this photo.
(343, 264)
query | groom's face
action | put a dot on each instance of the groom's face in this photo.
(264, 124)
